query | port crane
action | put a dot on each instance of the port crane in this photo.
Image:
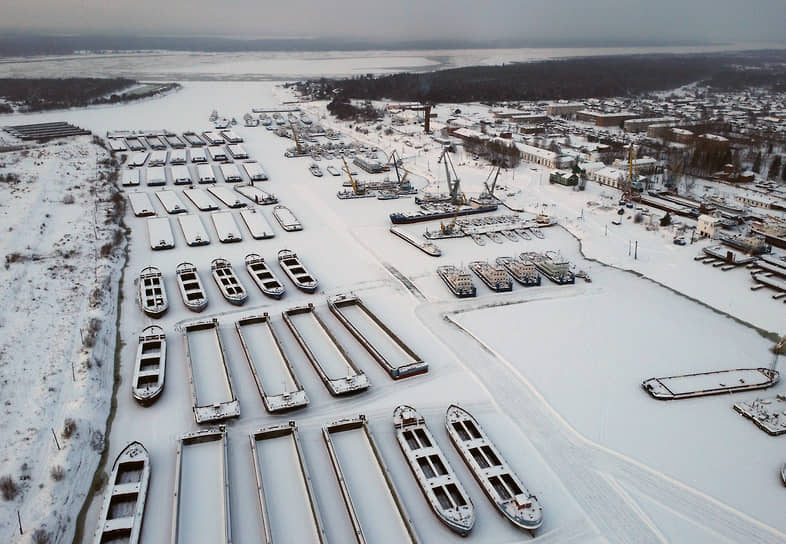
(449, 228)
(395, 159)
(628, 194)
(294, 137)
(356, 188)
(454, 184)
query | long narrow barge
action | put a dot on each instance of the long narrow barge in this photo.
(293, 516)
(426, 247)
(212, 395)
(292, 394)
(124, 504)
(396, 525)
(366, 320)
(498, 481)
(433, 473)
(710, 383)
(352, 380)
(417, 216)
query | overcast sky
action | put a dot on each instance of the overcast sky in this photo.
(475, 20)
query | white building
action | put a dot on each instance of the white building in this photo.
(609, 175)
(708, 225)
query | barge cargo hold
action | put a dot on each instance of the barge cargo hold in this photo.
(150, 365)
(152, 294)
(524, 273)
(458, 281)
(433, 473)
(495, 277)
(262, 275)
(500, 484)
(417, 216)
(426, 247)
(374, 506)
(227, 282)
(286, 218)
(553, 267)
(396, 357)
(159, 233)
(330, 360)
(191, 288)
(279, 463)
(200, 503)
(212, 395)
(292, 267)
(124, 504)
(273, 373)
(256, 224)
(710, 383)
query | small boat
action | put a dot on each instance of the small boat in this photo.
(458, 281)
(227, 282)
(495, 277)
(433, 472)
(510, 235)
(537, 232)
(524, 273)
(499, 482)
(495, 237)
(315, 170)
(152, 295)
(262, 275)
(124, 503)
(293, 268)
(286, 218)
(478, 239)
(523, 234)
(190, 285)
(333, 171)
(150, 365)
(551, 265)
(783, 473)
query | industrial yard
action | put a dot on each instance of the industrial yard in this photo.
(296, 320)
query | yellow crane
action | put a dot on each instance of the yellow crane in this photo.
(450, 227)
(294, 137)
(357, 189)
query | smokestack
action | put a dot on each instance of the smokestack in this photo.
(427, 124)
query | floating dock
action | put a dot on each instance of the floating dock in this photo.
(124, 504)
(159, 233)
(495, 277)
(212, 395)
(286, 218)
(500, 484)
(458, 281)
(396, 357)
(200, 506)
(433, 473)
(152, 294)
(710, 383)
(426, 247)
(150, 365)
(376, 511)
(193, 230)
(191, 288)
(293, 515)
(332, 363)
(273, 373)
(768, 414)
(729, 256)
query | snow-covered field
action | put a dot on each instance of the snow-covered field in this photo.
(552, 373)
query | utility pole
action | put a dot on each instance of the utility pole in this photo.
(636, 251)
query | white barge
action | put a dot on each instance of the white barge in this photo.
(171, 202)
(124, 504)
(273, 374)
(141, 204)
(256, 224)
(227, 282)
(432, 471)
(286, 218)
(227, 196)
(226, 227)
(193, 230)
(152, 294)
(426, 247)
(262, 275)
(330, 360)
(499, 482)
(191, 289)
(710, 383)
(159, 233)
(256, 195)
(150, 365)
(212, 395)
(396, 357)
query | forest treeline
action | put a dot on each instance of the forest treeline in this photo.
(52, 93)
(589, 77)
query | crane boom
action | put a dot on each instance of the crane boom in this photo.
(355, 187)
(294, 137)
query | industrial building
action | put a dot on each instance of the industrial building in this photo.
(603, 119)
(642, 124)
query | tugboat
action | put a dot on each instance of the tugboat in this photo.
(227, 282)
(152, 295)
(124, 503)
(150, 365)
(263, 276)
(315, 170)
(553, 267)
(190, 285)
(458, 281)
(499, 482)
(524, 273)
(293, 268)
(494, 277)
(431, 469)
